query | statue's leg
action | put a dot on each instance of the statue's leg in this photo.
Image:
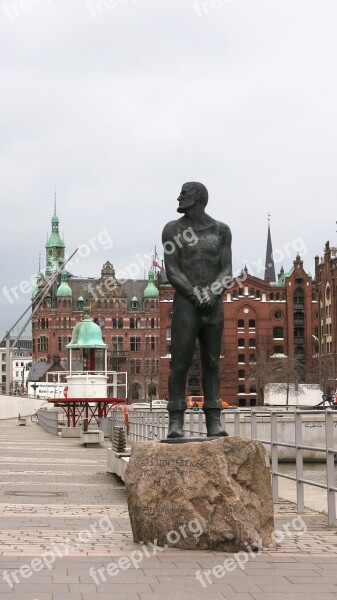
(210, 347)
(184, 332)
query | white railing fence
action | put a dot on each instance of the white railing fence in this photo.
(289, 436)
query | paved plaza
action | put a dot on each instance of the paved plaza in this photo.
(66, 535)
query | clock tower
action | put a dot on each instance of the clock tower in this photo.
(55, 247)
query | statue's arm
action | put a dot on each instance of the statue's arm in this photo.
(226, 273)
(174, 274)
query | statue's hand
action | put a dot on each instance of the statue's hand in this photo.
(202, 299)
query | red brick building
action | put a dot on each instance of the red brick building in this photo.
(326, 283)
(128, 314)
(262, 318)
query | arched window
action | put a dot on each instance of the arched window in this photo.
(136, 391)
(151, 391)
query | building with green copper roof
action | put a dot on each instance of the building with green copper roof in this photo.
(55, 247)
(151, 290)
(64, 290)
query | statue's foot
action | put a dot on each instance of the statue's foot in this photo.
(176, 424)
(213, 423)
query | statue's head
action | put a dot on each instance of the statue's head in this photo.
(191, 194)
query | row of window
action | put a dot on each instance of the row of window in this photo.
(326, 347)
(326, 329)
(135, 343)
(242, 358)
(243, 389)
(251, 343)
(68, 322)
(151, 366)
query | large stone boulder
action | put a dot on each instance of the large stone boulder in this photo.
(211, 495)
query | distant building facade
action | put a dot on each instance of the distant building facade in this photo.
(326, 283)
(128, 314)
(21, 360)
(275, 320)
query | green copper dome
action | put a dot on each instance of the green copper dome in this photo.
(55, 239)
(151, 291)
(64, 290)
(86, 334)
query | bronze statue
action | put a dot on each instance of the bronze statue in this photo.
(198, 263)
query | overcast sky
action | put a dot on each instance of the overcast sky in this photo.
(119, 102)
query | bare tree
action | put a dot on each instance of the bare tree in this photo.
(287, 375)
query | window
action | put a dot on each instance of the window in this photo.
(59, 344)
(241, 323)
(117, 344)
(117, 323)
(298, 298)
(152, 323)
(251, 323)
(241, 343)
(252, 358)
(132, 323)
(278, 332)
(252, 343)
(278, 349)
(151, 366)
(241, 358)
(136, 366)
(242, 389)
(242, 374)
(151, 343)
(252, 389)
(42, 343)
(168, 333)
(257, 294)
(135, 344)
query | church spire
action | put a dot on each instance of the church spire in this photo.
(269, 272)
(55, 247)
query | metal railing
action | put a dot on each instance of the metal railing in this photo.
(282, 436)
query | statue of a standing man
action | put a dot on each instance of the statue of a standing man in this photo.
(199, 272)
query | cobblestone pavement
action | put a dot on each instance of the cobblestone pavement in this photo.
(64, 522)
